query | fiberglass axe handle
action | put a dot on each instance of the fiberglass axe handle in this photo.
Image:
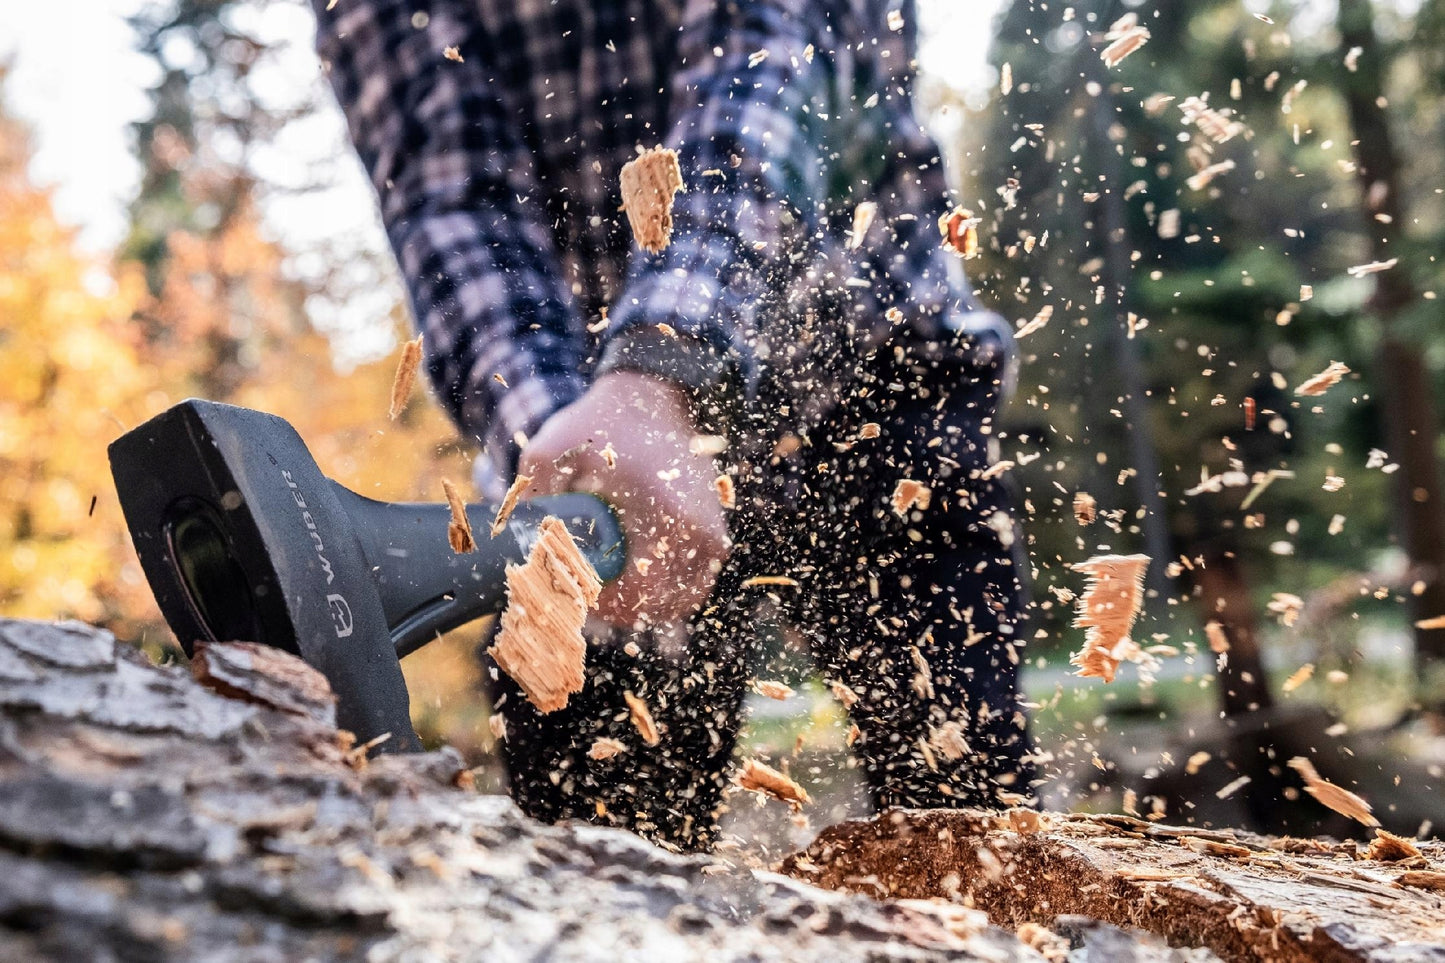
(426, 588)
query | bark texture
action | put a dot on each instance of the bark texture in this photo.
(1242, 896)
(144, 816)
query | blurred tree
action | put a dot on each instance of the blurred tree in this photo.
(72, 377)
(1408, 408)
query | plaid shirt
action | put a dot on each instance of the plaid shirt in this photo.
(497, 177)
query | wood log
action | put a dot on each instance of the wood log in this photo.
(144, 816)
(1242, 896)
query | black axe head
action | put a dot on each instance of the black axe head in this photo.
(243, 539)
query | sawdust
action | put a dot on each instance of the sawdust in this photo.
(509, 502)
(540, 644)
(459, 529)
(649, 183)
(1107, 609)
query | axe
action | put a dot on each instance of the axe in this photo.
(243, 539)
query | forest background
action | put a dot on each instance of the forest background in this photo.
(1185, 237)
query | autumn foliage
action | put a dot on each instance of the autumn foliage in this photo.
(89, 352)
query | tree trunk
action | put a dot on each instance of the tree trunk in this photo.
(1408, 404)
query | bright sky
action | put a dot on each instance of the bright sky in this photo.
(77, 81)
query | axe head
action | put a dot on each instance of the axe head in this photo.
(242, 538)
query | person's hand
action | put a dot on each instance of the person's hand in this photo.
(628, 439)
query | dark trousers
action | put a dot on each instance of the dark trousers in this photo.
(920, 616)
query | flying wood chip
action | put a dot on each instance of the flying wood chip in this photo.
(960, 232)
(642, 719)
(1085, 508)
(459, 529)
(405, 376)
(1107, 610)
(1126, 40)
(1330, 796)
(605, 748)
(540, 644)
(1323, 381)
(910, 494)
(649, 183)
(760, 777)
(509, 502)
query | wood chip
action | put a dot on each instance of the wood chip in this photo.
(1205, 175)
(1374, 267)
(540, 644)
(1085, 508)
(405, 376)
(910, 494)
(1388, 848)
(509, 502)
(782, 581)
(1126, 41)
(1330, 796)
(1038, 321)
(1196, 762)
(960, 232)
(1107, 610)
(605, 748)
(1299, 677)
(760, 777)
(642, 719)
(1324, 381)
(459, 529)
(1423, 878)
(452, 53)
(948, 739)
(727, 495)
(649, 183)
(843, 694)
(773, 690)
(497, 723)
(869, 430)
(863, 216)
(1218, 641)
(1435, 622)
(1230, 788)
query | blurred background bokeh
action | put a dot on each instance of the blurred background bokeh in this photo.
(1186, 237)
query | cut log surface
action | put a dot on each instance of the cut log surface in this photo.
(1241, 896)
(144, 816)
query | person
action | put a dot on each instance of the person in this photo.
(813, 363)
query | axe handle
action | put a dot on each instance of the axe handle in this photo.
(427, 589)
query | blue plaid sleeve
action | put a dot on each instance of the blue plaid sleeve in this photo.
(787, 115)
(461, 203)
